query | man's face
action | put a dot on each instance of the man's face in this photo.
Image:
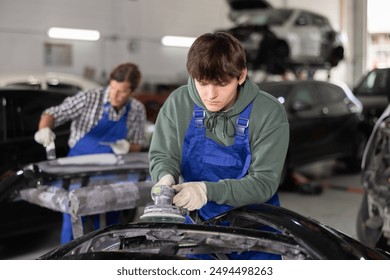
(119, 93)
(219, 97)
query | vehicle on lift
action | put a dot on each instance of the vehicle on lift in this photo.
(295, 238)
(279, 39)
(325, 122)
(373, 221)
(372, 91)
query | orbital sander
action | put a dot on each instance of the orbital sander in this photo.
(163, 209)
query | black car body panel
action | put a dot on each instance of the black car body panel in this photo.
(297, 237)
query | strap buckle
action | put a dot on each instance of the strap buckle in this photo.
(199, 116)
(242, 124)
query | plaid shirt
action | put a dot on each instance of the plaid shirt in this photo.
(85, 110)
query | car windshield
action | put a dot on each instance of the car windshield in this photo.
(268, 17)
(374, 84)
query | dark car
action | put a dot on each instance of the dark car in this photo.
(325, 122)
(295, 237)
(20, 111)
(277, 39)
(372, 91)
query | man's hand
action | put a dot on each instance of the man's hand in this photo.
(167, 180)
(44, 136)
(191, 195)
(121, 147)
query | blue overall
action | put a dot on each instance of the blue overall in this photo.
(105, 131)
(206, 160)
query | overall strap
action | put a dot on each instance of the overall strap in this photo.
(242, 122)
(199, 115)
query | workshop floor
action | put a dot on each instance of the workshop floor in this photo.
(337, 206)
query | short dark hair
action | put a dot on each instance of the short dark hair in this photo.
(127, 72)
(216, 57)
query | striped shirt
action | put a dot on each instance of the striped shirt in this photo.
(85, 110)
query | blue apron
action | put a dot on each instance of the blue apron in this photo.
(206, 160)
(105, 131)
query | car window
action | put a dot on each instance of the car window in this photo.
(331, 94)
(319, 21)
(303, 19)
(374, 84)
(306, 93)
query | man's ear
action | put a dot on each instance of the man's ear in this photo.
(242, 78)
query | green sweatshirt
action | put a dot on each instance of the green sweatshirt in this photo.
(268, 132)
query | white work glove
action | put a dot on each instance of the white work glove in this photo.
(121, 147)
(44, 136)
(166, 180)
(191, 195)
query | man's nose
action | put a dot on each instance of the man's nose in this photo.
(115, 93)
(211, 92)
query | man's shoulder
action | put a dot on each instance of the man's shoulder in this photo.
(135, 103)
(92, 93)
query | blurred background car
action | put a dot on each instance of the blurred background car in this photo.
(279, 39)
(51, 80)
(372, 91)
(20, 111)
(325, 122)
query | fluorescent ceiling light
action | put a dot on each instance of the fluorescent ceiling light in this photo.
(177, 41)
(73, 34)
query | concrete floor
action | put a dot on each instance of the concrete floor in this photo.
(337, 206)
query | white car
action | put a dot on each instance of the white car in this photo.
(52, 81)
(280, 39)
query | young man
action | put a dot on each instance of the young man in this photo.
(99, 116)
(221, 138)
